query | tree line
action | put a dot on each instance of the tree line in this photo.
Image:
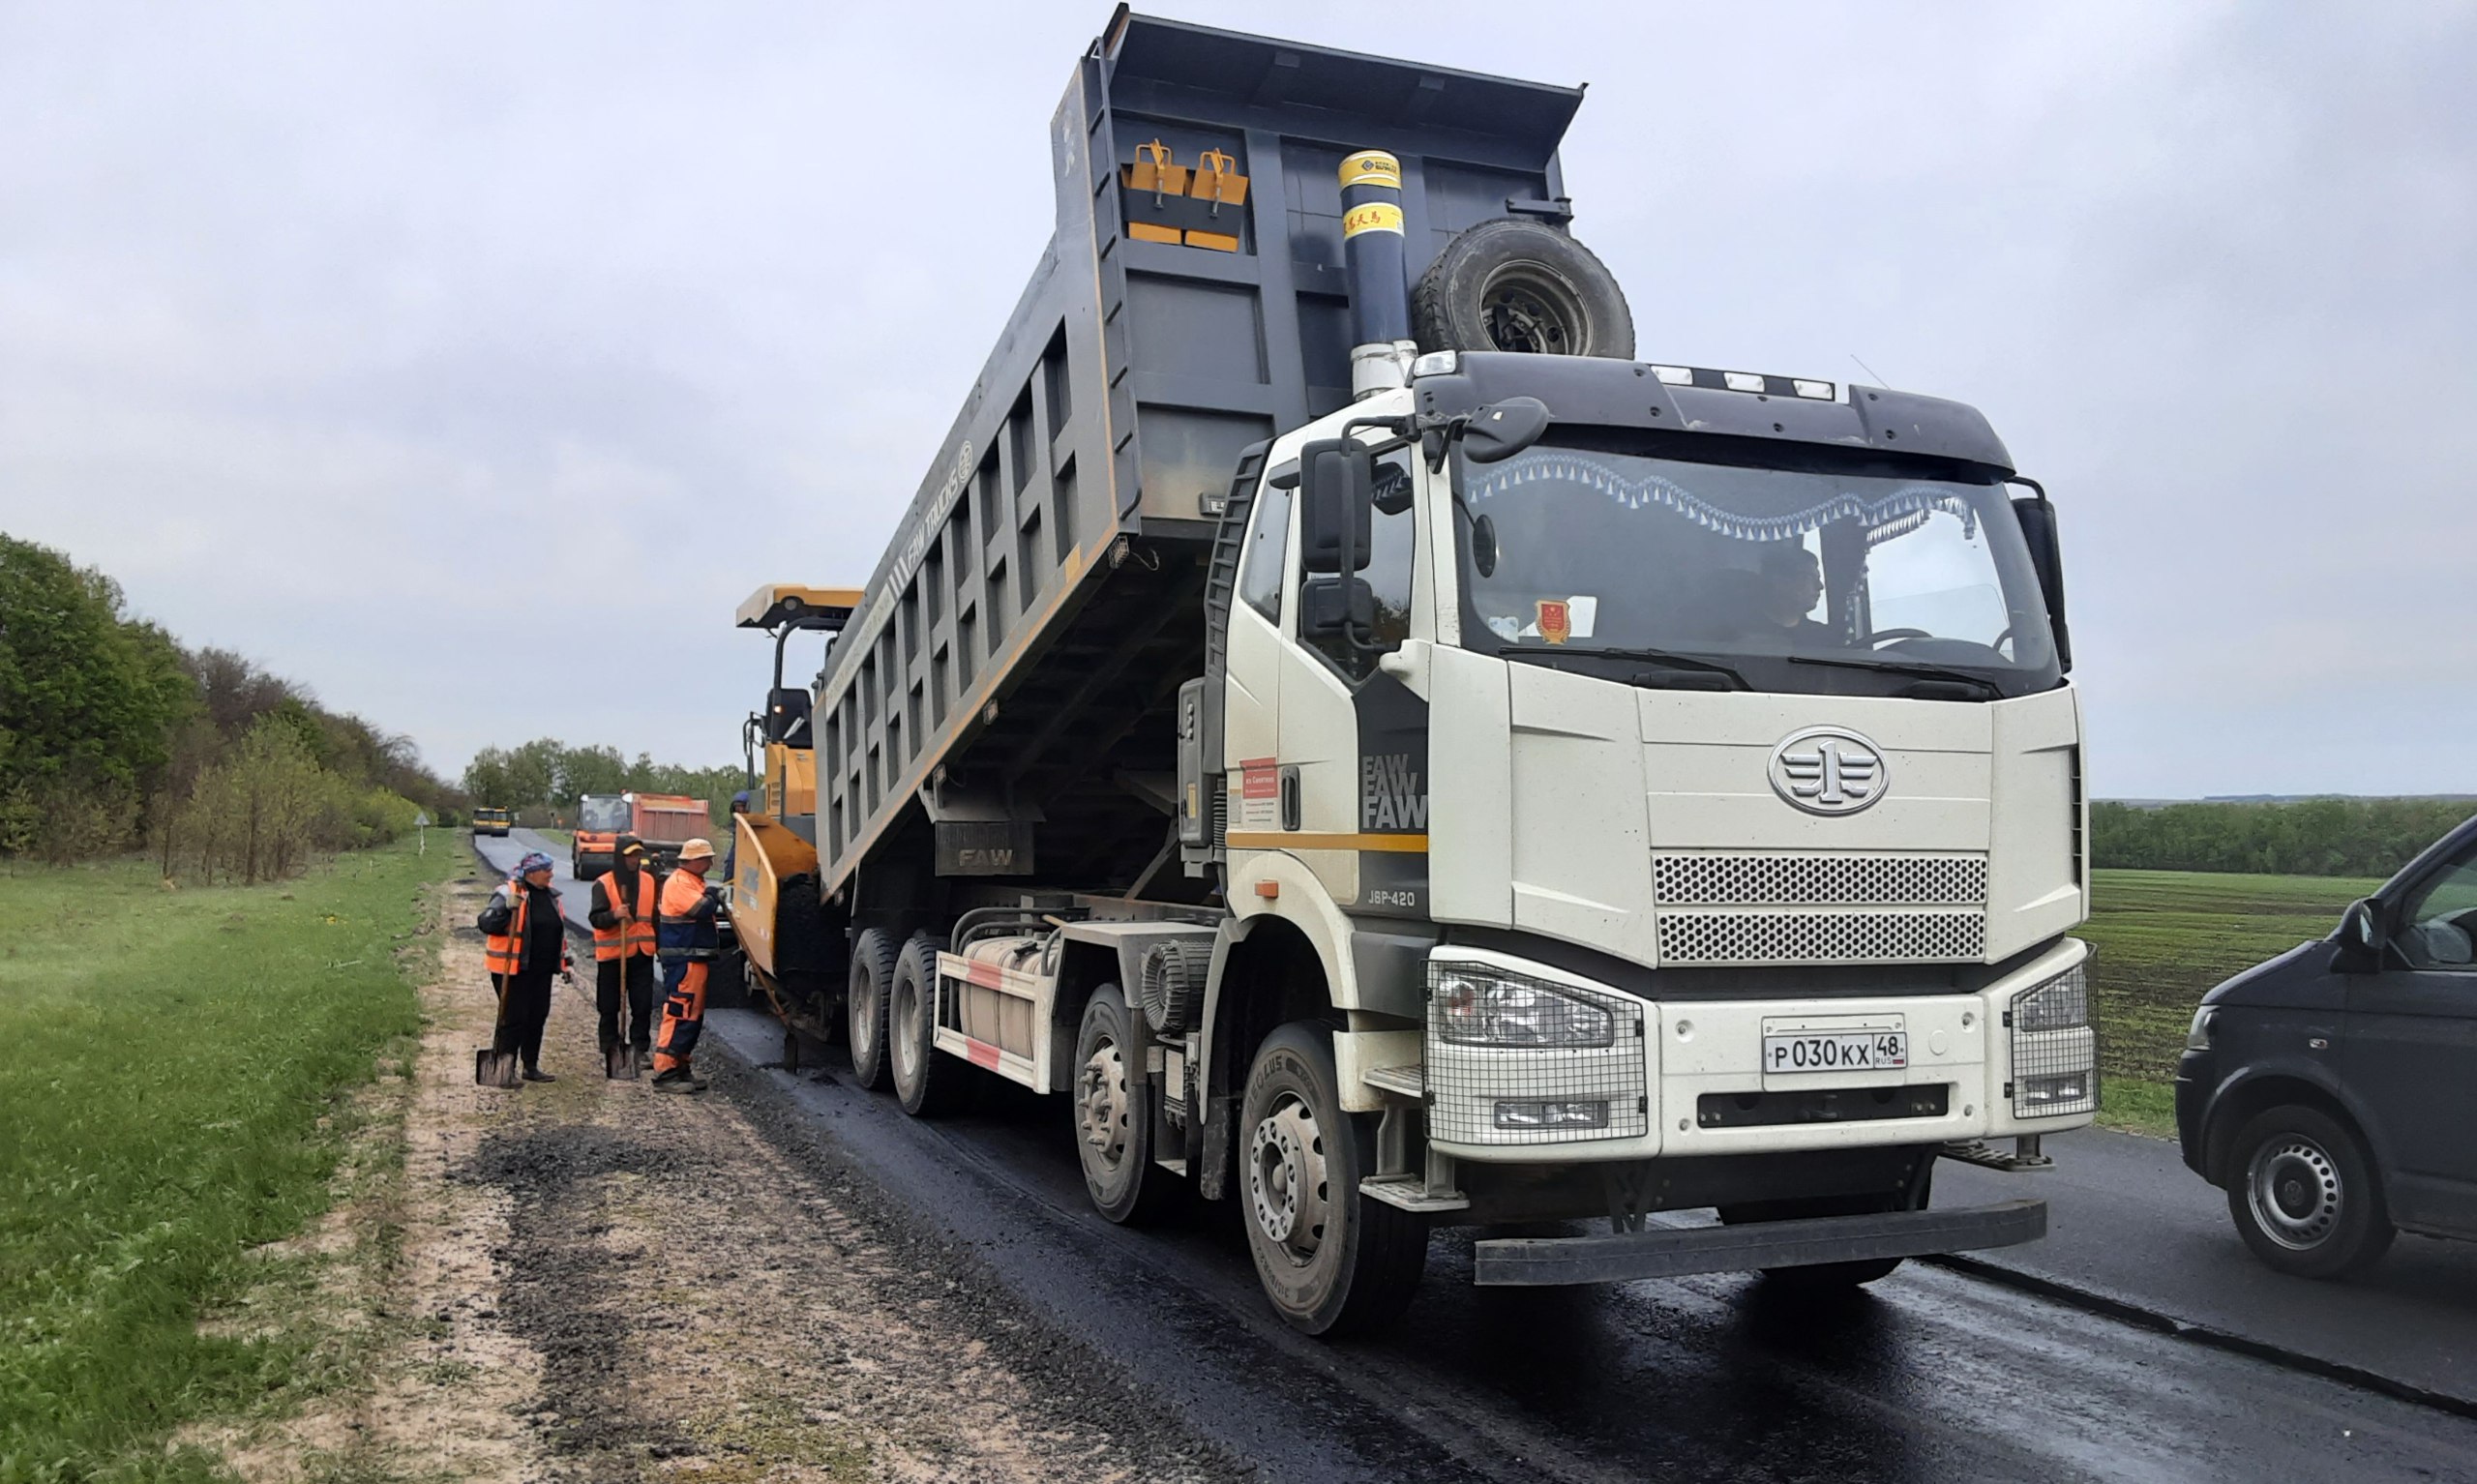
(115, 736)
(2310, 837)
(543, 779)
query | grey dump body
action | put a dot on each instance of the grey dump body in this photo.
(1000, 708)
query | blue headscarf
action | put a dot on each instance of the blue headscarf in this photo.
(534, 860)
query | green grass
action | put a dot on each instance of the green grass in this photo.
(174, 1094)
(2164, 937)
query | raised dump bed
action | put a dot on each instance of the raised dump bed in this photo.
(1000, 706)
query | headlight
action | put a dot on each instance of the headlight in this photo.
(1481, 1006)
(2060, 1003)
(2197, 1039)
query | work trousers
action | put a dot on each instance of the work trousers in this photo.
(683, 1013)
(627, 983)
(525, 1007)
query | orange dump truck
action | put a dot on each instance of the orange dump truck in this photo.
(664, 822)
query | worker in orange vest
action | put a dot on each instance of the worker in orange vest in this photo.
(687, 935)
(622, 919)
(524, 944)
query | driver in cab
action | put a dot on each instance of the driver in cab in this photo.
(1791, 585)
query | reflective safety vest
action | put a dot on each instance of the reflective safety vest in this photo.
(633, 938)
(686, 926)
(504, 952)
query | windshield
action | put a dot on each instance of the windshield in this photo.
(600, 813)
(1843, 578)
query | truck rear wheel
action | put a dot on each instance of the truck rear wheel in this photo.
(928, 1084)
(1112, 1125)
(1332, 1261)
(864, 1008)
(1511, 285)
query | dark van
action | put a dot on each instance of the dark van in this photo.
(2332, 1092)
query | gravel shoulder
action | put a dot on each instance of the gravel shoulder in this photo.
(591, 1282)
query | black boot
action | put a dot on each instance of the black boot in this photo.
(537, 1075)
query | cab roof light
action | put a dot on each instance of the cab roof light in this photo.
(1756, 382)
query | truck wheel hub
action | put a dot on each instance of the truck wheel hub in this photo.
(1286, 1184)
(2295, 1192)
(1101, 1103)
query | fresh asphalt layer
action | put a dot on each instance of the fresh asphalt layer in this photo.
(2128, 1225)
(1934, 1373)
(1930, 1374)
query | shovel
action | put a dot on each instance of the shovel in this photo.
(498, 1069)
(619, 1063)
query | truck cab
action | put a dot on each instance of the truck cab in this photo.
(1695, 778)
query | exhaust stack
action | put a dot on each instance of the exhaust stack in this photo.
(1373, 257)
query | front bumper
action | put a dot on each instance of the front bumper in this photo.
(1677, 1251)
(1687, 1078)
(2193, 1083)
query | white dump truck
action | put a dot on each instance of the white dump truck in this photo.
(1393, 757)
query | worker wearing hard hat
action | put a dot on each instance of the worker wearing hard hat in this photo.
(525, 945)
(687, 938)
(622, 919)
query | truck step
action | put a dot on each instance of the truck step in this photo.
(1399, 1081)
(1410, 1193)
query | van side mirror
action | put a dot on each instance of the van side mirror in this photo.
(1337, 506)
(2037, 518)
(1504, 429)
(2359, 938)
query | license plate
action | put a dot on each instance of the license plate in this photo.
(1873, 1050)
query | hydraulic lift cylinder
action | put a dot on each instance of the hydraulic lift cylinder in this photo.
(1373, 257)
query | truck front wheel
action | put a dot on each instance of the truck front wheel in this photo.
(1332, 1261)
(865, 1008)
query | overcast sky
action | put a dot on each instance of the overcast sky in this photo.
(386, 344)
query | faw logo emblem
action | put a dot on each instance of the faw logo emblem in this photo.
(1824, 770)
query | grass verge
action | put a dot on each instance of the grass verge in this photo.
(177, 1094)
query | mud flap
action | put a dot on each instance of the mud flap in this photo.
(496, 1069)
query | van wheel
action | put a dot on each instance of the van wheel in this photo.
(1112, 1121)
(930, 1085)
(1511, 285)
(873, 956)
(1332, 1261)
(2303, 1194)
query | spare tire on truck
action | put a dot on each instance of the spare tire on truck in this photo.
(1511, 285)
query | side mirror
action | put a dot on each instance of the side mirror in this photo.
(2359, 938)
(2037, 518)
(1337, 608)
(1504, 429)
(787, 715)
(1337, 506)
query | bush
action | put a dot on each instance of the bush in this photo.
(2313, 837)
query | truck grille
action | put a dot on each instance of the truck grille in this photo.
(1804, 880)
(1717, 909)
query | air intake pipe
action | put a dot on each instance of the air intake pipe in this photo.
(1373, 257)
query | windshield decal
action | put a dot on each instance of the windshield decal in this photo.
(1891, 516)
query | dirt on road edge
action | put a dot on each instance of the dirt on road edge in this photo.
(586, 1281)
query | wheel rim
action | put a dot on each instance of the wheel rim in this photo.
(907, 1029)
(859, 1014)
(1524, 309)
(2294, 1190)
(1100, 1104)
(1286, 1180)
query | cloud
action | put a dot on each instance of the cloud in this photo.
(469, 363)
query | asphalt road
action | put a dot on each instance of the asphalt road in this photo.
(1933, 1373)
(1936, 1373)
(2129, 1224)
